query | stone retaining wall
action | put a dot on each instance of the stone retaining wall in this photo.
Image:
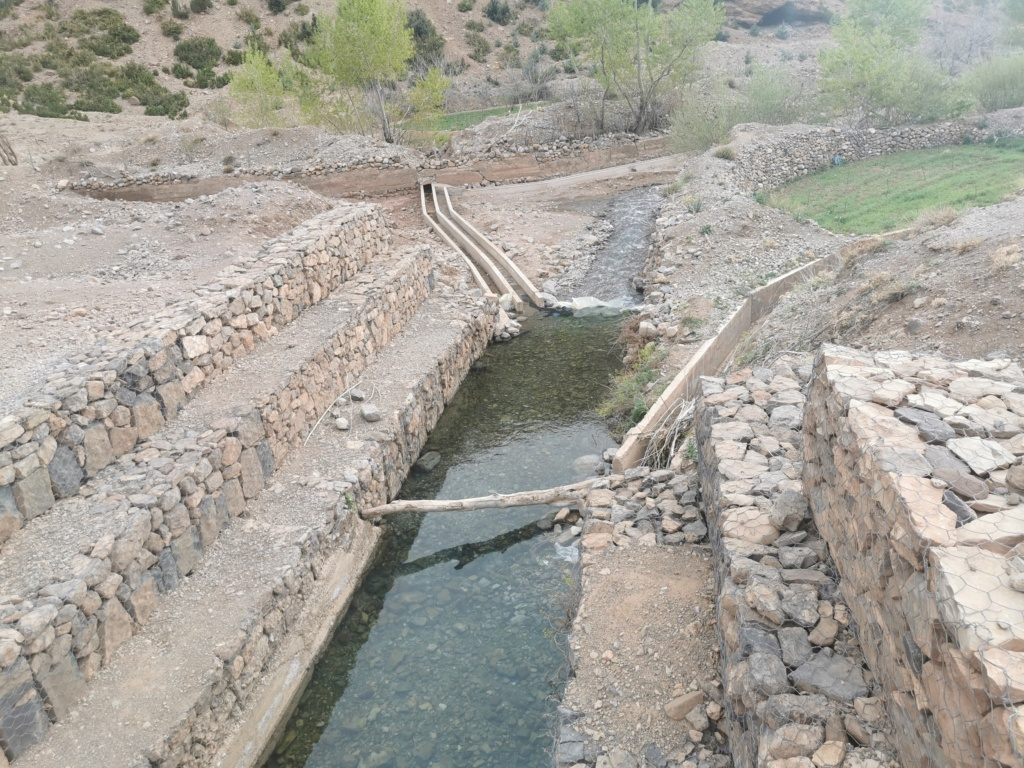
(796, 690)
(773, 156)
(915, 470)
(177, 495)
(109, 398)
(377, 478)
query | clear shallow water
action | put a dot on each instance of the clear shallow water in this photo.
(448, 656)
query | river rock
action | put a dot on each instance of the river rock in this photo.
(370, 413)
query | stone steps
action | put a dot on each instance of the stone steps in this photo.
(94, 567)
(216, 649)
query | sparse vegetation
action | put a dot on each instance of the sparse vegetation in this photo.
(498, 11)
(1005, 257)
(634, 390)
(725, 153)
(429, 44)
(465, 6)
(479, 45)
(149, 7)
(103, 31)
(171, 28)
(998, 84)
(887, 193)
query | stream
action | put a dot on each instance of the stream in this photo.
(451, 654)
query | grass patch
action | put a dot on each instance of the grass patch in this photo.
(633, 391)
(887, 193)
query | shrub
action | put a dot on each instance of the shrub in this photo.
(509, 57)
(999, 83)
(205, 78)
(498, 12)
(7, 7)
(233, 57)
(277, 6)
(198, 52)
(755, 31)
(47, 100)
(248, 15)
(480, 46)
(429, 44)
(294, 35)
(725, 153)
(301, 9)
(179, 11)
(722, 36)
(474, 26)
(149, 7)
(103, 31)
(200, 6)
(465, 6)
(171, 28)
(783, 32)
(182, 71)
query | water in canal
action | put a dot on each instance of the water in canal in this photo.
(449, 656)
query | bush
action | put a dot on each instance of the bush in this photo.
(429, 44)
(198, 52)
(277, 6)
(783, 32)
(179, 11)
(248, 16)
(234, 57)
(465, 6)
(474, 26)
(103, 31)
(47, 100)
(480, 46)
(149, 7)
(205, 78)
(498, 12)
(725, 153)
(509, 57)
(294, 35)
(301, 9)
(7, 7)
(998, 84)
(171, 28)
(182, 71)
(200, 6)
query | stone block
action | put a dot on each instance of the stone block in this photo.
(66, 474)
(172, 396)
(98, 450)
(147, 417)
(23, 719)
(123, 439)
(250, 429)
(832, 676)
(142, 602)
(115, 627)
(33, 494)
(11, 518)
(233, 497)
(252, 473)
(187, 551)
(62, 686)
(266, 457)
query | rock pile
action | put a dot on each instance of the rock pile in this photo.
(776, 156)
(915, 471)
(109, 398)
(797, 694)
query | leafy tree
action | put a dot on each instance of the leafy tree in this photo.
(875, 75)
(358, 54)
(638, 53)
(257, 89)
(427, 96)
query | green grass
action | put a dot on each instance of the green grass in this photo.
(887, 193)
(457, 121)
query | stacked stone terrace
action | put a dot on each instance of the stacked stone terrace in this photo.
(914, 467)
(797, 692)
(117, 480)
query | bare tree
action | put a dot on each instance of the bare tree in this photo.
(7, 156)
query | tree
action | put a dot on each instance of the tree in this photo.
(876, 75)
(360, 52)
(428, 95)
(257, 89)
(637, 53)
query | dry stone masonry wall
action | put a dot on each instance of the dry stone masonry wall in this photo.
(797, 693)
(109, 398)
(772, 157)
(914, 467)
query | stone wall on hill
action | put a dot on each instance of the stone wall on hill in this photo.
(914, 468)
(109, 398)
(797, 692)
(767, 157)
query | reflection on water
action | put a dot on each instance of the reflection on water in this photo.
(448, 657)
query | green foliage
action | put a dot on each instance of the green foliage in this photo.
(999, 83)
(783, 32)
(179, 11)
(277, 6)
(233, 57)
(479, 46)
(465, 6)
(258, 91)
(182, 71)
(7, 7)
(198, 52)
(364, 43)
(429, 44)
(427, 96)
(103, 31)
(206, 78)
(171, 28)
(301, 9)
(639, 54)
(294, 36)
(772, 96)
(15, 70)
(886, 193)
(632, 391)
(725, 153)
(149, 7)
(498, 12)
(47, 100)
(249, 17)
(473, 25)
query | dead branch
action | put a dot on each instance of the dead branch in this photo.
(7, 156)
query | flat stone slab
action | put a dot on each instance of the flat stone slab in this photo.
(983, 456)
(832, 676)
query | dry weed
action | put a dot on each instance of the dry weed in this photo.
(861, 247)
(935, 218)
(960, 247)
(1005, 257)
